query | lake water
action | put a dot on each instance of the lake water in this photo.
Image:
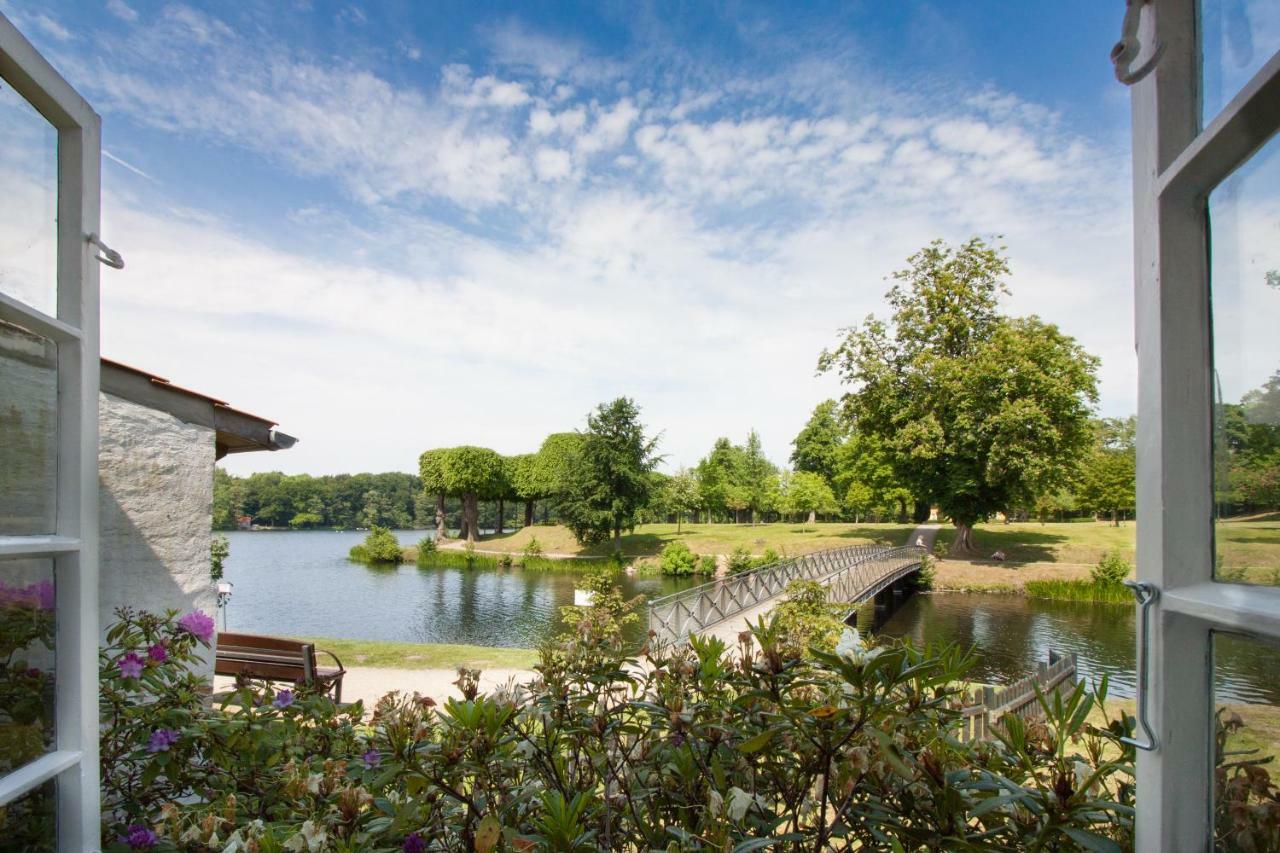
(1012, 633)
(301, 583)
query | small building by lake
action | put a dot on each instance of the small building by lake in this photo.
(158, 443)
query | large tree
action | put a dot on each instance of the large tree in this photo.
(817, 447)
(757, 476)
(470, 473)
(806, 492)
(978, 410)
(681, 496)
(1107, 479)
(431, 471)
(609, 479)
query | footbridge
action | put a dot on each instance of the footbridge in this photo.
(725, 605)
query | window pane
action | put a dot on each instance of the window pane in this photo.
(28, 432)
(1246, 741)
(27, 658)
(29, 187)
(1237, 37)
(1244, 217)
(29, 824)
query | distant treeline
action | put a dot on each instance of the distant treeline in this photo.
(338, 501)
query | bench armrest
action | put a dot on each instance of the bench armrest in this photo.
(341, 668)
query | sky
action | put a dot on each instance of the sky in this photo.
(398, 226)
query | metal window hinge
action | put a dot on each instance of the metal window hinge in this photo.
(109, 256)
(1129, 48)
(1146, 593)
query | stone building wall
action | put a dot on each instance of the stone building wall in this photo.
(155, 505)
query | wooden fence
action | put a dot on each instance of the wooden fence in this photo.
(1018, 698)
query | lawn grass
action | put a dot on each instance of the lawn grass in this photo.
(648, 540)
(378, 653)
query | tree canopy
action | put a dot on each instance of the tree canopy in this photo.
(610, 481)
(975, 410)
(817, 446)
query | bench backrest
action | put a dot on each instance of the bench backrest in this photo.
(265, 657)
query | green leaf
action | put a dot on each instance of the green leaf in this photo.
(1089, 841)
(757, 742)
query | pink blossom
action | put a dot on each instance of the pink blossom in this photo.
(199, 624)
(283, 699)
(158, 653)
(130, 665)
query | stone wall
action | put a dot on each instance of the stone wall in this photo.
(156, 502)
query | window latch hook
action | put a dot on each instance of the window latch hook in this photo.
(1146, 594)
(1127, 50)
(109, 256)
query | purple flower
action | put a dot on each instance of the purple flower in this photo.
(158, 653)
(44, 594)
(283, 699)
(413, 843)
(138, 837)
(161, 740)
(199, 624)
(130, 666)
(371, 759)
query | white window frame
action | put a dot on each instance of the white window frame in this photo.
(1176, 165)
(74, 545)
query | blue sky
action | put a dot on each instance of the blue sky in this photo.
(402, 225)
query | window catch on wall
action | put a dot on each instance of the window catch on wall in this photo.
(1146, 593)
(1129, 48)
(109, 256)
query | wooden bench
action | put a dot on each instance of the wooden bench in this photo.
(277, 659)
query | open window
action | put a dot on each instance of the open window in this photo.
(49, 183)
(1207, 270)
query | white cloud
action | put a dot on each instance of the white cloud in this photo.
(122, 10)
(552, 164)
(51, 27)
(694, 247)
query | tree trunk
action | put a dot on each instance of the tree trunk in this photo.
(617, 538)
(1115, 520)
(813, 516)
(441, 532)
(528, 513)
(679, 518)
(501, 510)
(470, 517)
(963, 545)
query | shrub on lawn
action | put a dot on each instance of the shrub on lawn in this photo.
(534, 548)
(741, 560)
(380, 546)
(679, 561)
(1112, 569)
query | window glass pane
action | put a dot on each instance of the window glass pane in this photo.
(1237, 37)
(29, 187)
(1246, 742)
(1244, 226)
(26, 661)
(28, 432)
(29, 824)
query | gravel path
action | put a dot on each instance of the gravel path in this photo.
(371, 683)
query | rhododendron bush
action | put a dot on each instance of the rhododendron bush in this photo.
(692, 748)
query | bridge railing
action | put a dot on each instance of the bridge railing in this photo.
(673, 617)
(865, 578)
(1018, 698)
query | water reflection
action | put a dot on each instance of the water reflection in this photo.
(1012, 633)
(300, 583)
